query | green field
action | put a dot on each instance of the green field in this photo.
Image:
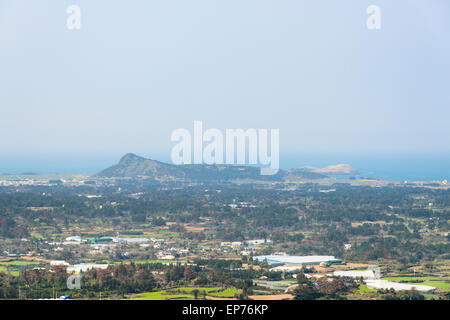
(184, 293)
(285, 281)
(169, 234)
(161, 295)
(227, 293)
(366, 289)
(15, 263)
(19, 263)
(402, 279)
(14, 273)
(55, 235)
(137, 235)
(37, 236)
(429, 296)
(190, 289)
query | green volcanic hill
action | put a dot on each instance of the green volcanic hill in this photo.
(133, 166)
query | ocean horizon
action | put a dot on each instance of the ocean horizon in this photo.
(391, 167)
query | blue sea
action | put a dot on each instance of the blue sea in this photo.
(394, 167)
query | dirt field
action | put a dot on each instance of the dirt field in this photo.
(35, 259)
(188, 228)
(350, 266)
(356, 224)
(246, 266)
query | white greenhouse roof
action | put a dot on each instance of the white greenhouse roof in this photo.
(385, 284)
(296, 259)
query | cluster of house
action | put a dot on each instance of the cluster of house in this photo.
(77, 268)
(172, 253)
(105, 244)
(21, 182)
(17, 181)
(108, 244)
(236, 205)
(248, 246)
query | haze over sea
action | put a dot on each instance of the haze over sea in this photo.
(394, 167)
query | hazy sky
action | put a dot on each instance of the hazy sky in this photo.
(139, 69)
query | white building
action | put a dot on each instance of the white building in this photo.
(74, 238)
(54, 263)
(236, 244)
(85, 267)
(131, 240)
(366, 274)
(286, 268)
(166, 257)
